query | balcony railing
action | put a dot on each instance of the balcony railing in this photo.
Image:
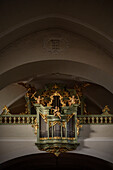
(17, 119)
(95, 119)
(30, 119)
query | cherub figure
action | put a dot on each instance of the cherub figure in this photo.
(56, 112)
(38, 99)
(72, 100)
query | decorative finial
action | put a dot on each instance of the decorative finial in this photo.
(5, 111)
(55, 87)
(106, 110)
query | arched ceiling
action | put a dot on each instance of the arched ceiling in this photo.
(85, 27)
(35, 49)
(92, 19)
(69, 68)
(41, 73)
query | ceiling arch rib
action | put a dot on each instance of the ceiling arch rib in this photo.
(35, 47)
(76, 69)
(55, 16)
(64, 22)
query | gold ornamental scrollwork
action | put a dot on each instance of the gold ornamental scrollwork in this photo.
(106, 110)
(5, 111)
(44, 117)
(35, 126)
(69, 117)
(52, 98)
(53, 123)
(78, 126)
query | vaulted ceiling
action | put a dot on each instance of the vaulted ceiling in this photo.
(85, 29)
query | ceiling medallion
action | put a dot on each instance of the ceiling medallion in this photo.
(55, 44)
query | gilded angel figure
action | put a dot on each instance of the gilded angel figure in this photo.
(56, 112)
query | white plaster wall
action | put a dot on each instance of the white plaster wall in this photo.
(19, 140)
(10, 94)
(97, 141)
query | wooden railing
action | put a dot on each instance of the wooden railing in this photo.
(95, 119)
(30, 119)
(17, 119)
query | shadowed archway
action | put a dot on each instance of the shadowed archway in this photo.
(64, 161)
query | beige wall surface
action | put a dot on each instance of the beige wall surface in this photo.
(19, 140)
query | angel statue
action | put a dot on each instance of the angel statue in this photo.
(38, 99)
(56, 112)
(73, 100)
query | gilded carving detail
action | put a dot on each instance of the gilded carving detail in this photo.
(106, 110)
(78, 126)
(5, 111)
(53, 123)
(52, 97)
(35, 126)
(44, 117)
